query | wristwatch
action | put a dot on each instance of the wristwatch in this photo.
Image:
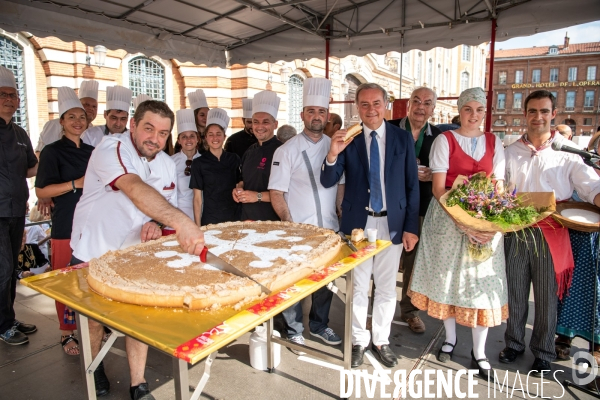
(259, 196)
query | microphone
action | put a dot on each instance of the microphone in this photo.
(568, 149)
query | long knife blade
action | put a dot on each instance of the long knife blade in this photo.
(209, 258)
(347, 241)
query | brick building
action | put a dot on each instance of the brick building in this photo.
(571, 71)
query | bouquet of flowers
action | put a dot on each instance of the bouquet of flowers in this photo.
(477, 204)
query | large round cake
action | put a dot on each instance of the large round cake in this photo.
(160, 273)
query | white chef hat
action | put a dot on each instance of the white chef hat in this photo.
(197, 99)
(118, 98)
(247, 104)
(217, 116)
(139, 99)
(67, 99)
(317, 92)
(7, 78)
(88, 89)
(266, 101)
(186, 121)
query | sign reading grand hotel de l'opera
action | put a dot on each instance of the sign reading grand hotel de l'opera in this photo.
(554, 84)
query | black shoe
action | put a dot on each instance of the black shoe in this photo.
(540, 368)
(25, 328)
(14, 337)
(101, 381)
(445, 356)
(483, 373)
(141, 392)
(358, 353)
(386, 355)
(508, 355)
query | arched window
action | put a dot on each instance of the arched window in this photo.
(464, 81)
(146, 76)
(11, 57)
(295, 85)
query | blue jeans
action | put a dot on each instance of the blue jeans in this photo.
(11, 235)
(318, 316)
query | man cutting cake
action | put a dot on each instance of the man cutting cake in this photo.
(130, 180)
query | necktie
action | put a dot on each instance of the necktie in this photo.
(374, 179)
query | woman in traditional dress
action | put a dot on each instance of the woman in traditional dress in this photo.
(215, 174)
(446, 281)
(187, 139)
(60, 177)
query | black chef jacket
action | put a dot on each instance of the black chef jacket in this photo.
(239, 142)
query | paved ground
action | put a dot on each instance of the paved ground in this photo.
(41, 370)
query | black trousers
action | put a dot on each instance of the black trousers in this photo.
(11, 235)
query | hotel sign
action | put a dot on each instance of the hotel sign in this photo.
(554, 84)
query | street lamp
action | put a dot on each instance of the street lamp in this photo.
(99, 55)
(345, 87)
(284, 74)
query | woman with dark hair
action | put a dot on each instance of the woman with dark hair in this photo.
(199, 104)
(187, 139)
(215, 174)
(60, 176)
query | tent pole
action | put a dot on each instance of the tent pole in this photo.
(490, 93)
(401, 63)
(327, 54)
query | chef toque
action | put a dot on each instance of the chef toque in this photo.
(186, 121)
(247, 104)
(139, 99)
(67, 99)
(89, 89)
(217, 116)
(266, 101)
(118, 98)
(197, 99)
(7, 78)
(317, 92)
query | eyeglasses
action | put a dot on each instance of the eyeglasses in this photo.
(417, 102)
(4, 95)
(188, 167)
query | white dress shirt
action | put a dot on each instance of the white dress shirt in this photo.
(381, 143)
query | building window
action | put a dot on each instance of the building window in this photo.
(587, 121)
(519, 76)
(146, 76)
(501, 104)
(572, 74)
(447, 81)
(588, 102)
(500, 122)
(11, 57)
(555, 94)
(464, 81)
(502, 78)
(553, 50)
(553, 74)
(418, 72)
(295, 85)
(466, 53)
(570, 103)
(536, 75)
(517, 101)
(438, 78)
(591, 73)
(517, 122)
(430, 73)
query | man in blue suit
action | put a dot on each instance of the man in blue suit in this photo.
(382, 192)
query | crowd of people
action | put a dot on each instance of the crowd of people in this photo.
(389, 177)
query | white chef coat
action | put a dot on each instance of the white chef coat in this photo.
(51, 132)
(93, 136)
(185, 195)
(106, 219)
(308, 201)
(549, 171)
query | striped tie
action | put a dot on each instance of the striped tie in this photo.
(374, 179)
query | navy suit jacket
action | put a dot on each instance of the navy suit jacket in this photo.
(400, 177)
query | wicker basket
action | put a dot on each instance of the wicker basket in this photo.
(571, 224)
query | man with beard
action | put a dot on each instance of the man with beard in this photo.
(253, 190)
(130, 180)
(118, 101)
(239, 142)
(296, 167)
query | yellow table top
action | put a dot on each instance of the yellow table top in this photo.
(188, 334)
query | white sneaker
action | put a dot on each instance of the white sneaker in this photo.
(297, 340)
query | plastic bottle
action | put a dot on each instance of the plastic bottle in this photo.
(258, 349)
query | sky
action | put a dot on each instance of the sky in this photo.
(583, 33)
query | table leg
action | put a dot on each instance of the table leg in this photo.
(180, 374)
(86, 355)
(270, 348)
(207, 364)
(348, 320)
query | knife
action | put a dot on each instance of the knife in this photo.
(347, 241)
(209, 258)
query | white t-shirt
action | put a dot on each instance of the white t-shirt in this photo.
(106, 219)
(549, 171)
(93, 136)
(289, 174)
(439, 156)
(37, 233)
(185, 195)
